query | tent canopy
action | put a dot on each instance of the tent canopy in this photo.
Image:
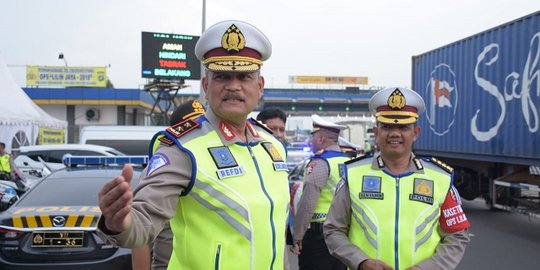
(19, 114)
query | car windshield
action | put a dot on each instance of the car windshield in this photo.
(78, 189)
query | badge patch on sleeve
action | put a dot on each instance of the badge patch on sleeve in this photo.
(423, 191)
(371, 188)
(157, 161)
(309, 167)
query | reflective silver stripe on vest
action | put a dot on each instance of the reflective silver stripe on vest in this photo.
(228, 202)
(367, 222)
(423, 225)
(427, 236)
(331, 185)
(430, 219)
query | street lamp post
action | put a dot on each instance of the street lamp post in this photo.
(70, 110)
(201, 90)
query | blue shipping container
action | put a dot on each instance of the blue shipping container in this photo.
(482, 95)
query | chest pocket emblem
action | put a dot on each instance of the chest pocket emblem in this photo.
(423, 191)
(371, 188)
(279, 164)
(272, 151)
(225, 162)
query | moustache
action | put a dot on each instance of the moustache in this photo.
(233, 96)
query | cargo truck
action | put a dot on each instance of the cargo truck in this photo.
(482, 97)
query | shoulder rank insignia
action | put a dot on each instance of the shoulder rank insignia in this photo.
(380, 162)
(166, 140)
(252, 130)
(182, 128)
(442, 165)
(418, 164)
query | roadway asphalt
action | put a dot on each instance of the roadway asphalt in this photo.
(500, 240)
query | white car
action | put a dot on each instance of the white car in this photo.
(52, 154)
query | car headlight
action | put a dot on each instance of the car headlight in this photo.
(9, 234)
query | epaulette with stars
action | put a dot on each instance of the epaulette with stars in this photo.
(442, 165)
(182, 128)
(260, 124)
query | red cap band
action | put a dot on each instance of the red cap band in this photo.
(246, 52)
(384, 108)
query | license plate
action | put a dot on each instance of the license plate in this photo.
(58, 239)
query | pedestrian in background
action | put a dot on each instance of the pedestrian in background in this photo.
(221, 180)
(394, 210)
(275, 119)
(322, 175)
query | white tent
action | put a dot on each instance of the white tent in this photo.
(21, 120)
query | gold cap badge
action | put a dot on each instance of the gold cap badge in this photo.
(233, 39)
(396, 100)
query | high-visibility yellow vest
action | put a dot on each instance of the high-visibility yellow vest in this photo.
(334, 159)
(394, 218)
(5, 165)
(234, 214)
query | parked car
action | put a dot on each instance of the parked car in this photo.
(297, 154)
(131, 140)
(54, 224)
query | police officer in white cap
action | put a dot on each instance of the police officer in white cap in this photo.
(320, 181)
(220, 179)
(394, 210)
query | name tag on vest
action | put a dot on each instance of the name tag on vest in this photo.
(280, 166)
(371, 195)
(230, 172)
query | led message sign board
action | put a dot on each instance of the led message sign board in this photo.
(169, 56)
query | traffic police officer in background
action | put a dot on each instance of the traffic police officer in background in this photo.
(221, 179)
(5, 162)
(393, 210)
(8, 169)
(320, 181)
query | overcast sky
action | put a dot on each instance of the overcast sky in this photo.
(373, 38)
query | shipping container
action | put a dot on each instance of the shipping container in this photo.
(482, 96)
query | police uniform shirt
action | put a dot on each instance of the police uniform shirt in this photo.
(336, 226)
(162, 248)
(314, 181)
(156, 197)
